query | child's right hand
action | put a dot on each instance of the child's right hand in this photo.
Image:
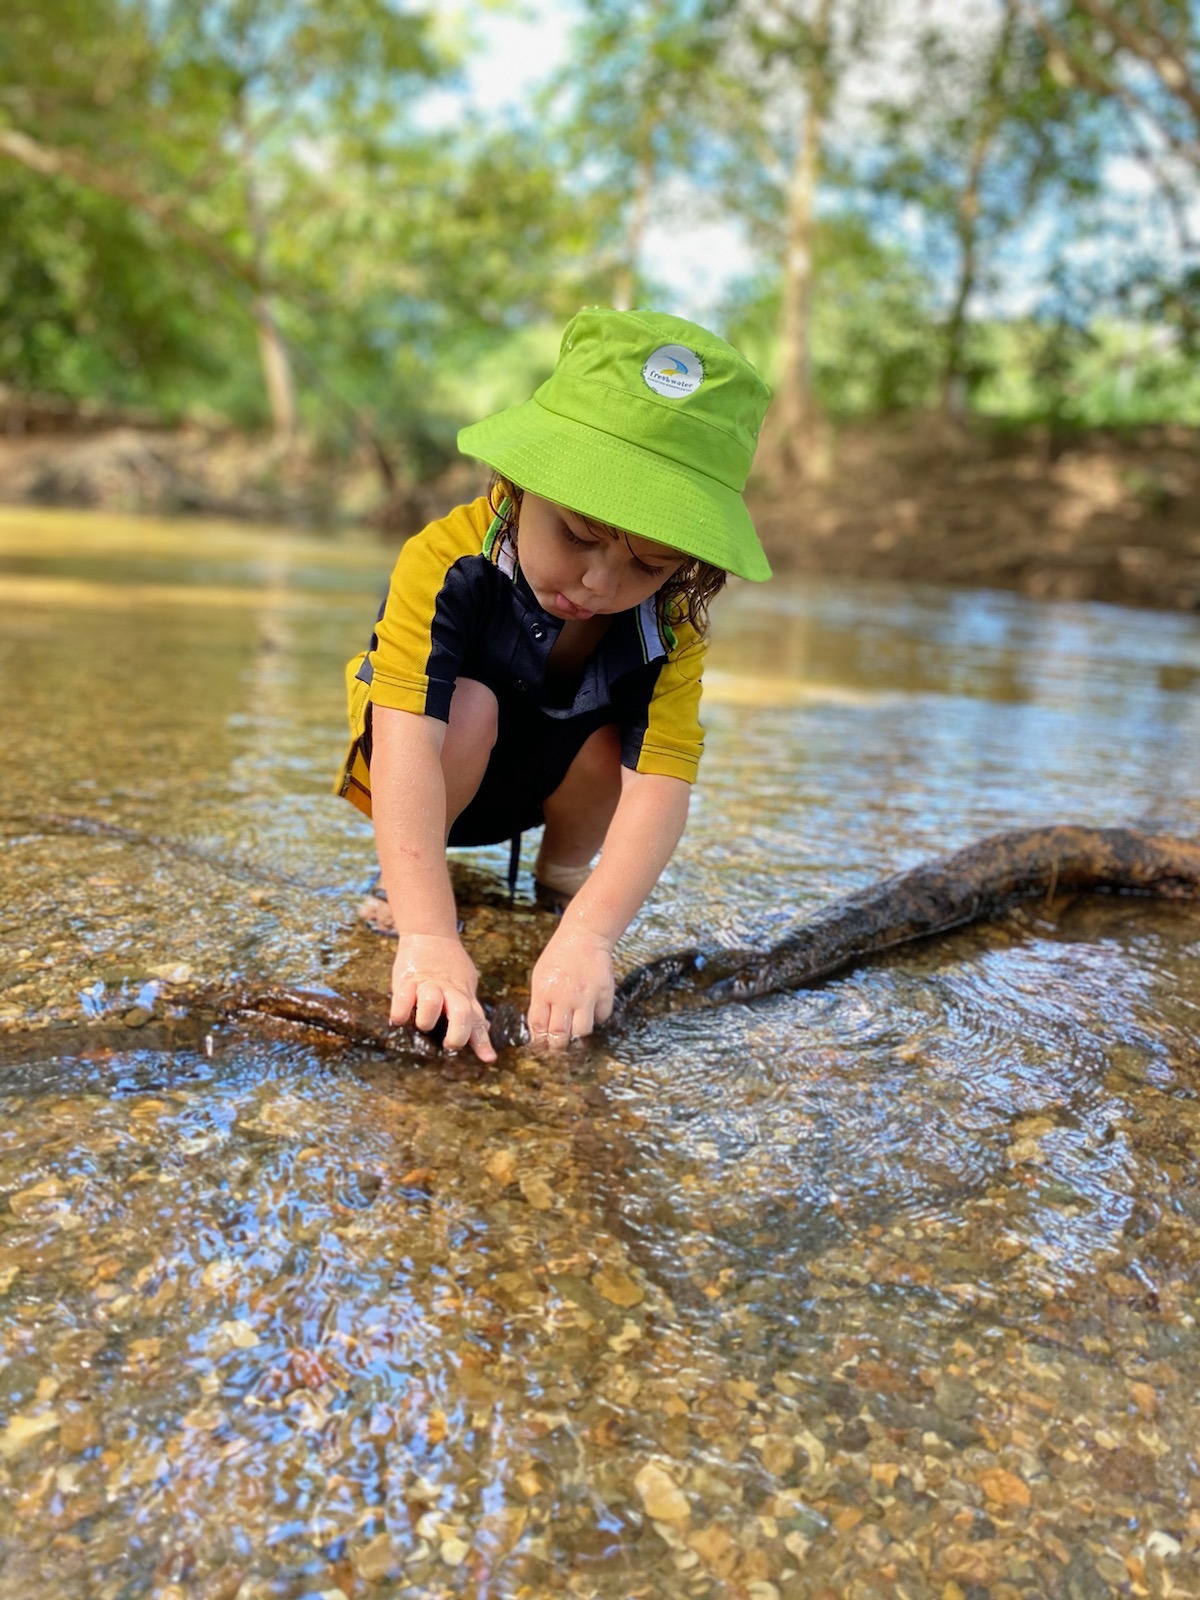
(434, 976)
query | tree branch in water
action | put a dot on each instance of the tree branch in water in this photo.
(976, 884)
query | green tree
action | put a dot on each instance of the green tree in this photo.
(790, 58)
(984, 136)
(187, 113)
(870, 341)
(644, 95)
(1139, 60)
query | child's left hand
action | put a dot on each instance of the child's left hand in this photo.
(572, 987)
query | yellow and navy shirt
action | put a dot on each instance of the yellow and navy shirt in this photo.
(458, 606)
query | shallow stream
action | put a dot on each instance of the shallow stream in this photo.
(885, 1289)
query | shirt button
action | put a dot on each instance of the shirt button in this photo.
(520, 685)
(538, 632)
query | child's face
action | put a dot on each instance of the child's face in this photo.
(578, 571)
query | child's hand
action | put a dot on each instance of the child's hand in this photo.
(572, 988)
(433, 975)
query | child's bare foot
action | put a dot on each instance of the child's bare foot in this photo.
(377, 914)
(555, 885)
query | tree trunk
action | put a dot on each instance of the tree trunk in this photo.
(795, 410)
(277, 371)
(273, 352)
(976, 884)
(626, 280)
(981, 882)
(954, 387)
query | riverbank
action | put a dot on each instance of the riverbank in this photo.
(1101, 516)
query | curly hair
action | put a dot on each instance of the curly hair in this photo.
(684, 597)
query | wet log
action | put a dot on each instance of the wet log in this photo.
(359, 1016)
(976, 884)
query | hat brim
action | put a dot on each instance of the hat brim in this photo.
(614, 481)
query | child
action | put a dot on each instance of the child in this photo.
(538, 658)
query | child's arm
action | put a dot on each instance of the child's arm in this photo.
(572, 988)
(432, 972)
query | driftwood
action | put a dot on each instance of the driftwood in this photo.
(972, 885)
(359, 1016)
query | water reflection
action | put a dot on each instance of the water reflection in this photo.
(884, 1289)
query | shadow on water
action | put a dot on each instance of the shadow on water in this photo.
(883, 1289)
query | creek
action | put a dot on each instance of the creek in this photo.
(887, 1288)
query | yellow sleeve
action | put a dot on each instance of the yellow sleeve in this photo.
(671, 738)
(430, 614)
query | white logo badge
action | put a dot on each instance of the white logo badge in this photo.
(673, 370)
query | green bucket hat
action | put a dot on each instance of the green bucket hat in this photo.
(647, 422)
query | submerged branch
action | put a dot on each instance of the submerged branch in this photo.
(976, 884)
(972, 885)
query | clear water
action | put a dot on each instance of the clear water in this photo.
(887, 1288)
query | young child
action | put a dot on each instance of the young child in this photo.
(538, 658)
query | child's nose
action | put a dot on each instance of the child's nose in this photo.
(600, 579)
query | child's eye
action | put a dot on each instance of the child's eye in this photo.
(573, 538)
(651, 572)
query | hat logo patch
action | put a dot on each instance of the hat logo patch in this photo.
(673, 370)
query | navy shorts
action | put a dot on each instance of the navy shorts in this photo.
(529, 761)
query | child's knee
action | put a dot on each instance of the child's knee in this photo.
(600, 754)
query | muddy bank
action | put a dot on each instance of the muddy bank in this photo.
(1095, 517)
(191, 471)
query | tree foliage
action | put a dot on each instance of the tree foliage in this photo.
(208, 203)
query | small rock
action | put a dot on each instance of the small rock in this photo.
(23, 1430)
(454, 1551)
(777, 1452)
(1005, 1488)
(617, 1287)
(855, 1436)
(661, 1496)
(624, 1342)
(537, 1192)
(239, 1334)
(1083, 1581)
(1145, 1398)
(814, 1450)
(1162, 1545)
(1025, 1152)
(501, 1165)
(954, 1397)
(379, 1559)
(136, 1017)
(716, 1548)
(171, 972)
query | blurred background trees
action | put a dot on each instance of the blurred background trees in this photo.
(330, 219)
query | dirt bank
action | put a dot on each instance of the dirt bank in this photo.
(1101, 517)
